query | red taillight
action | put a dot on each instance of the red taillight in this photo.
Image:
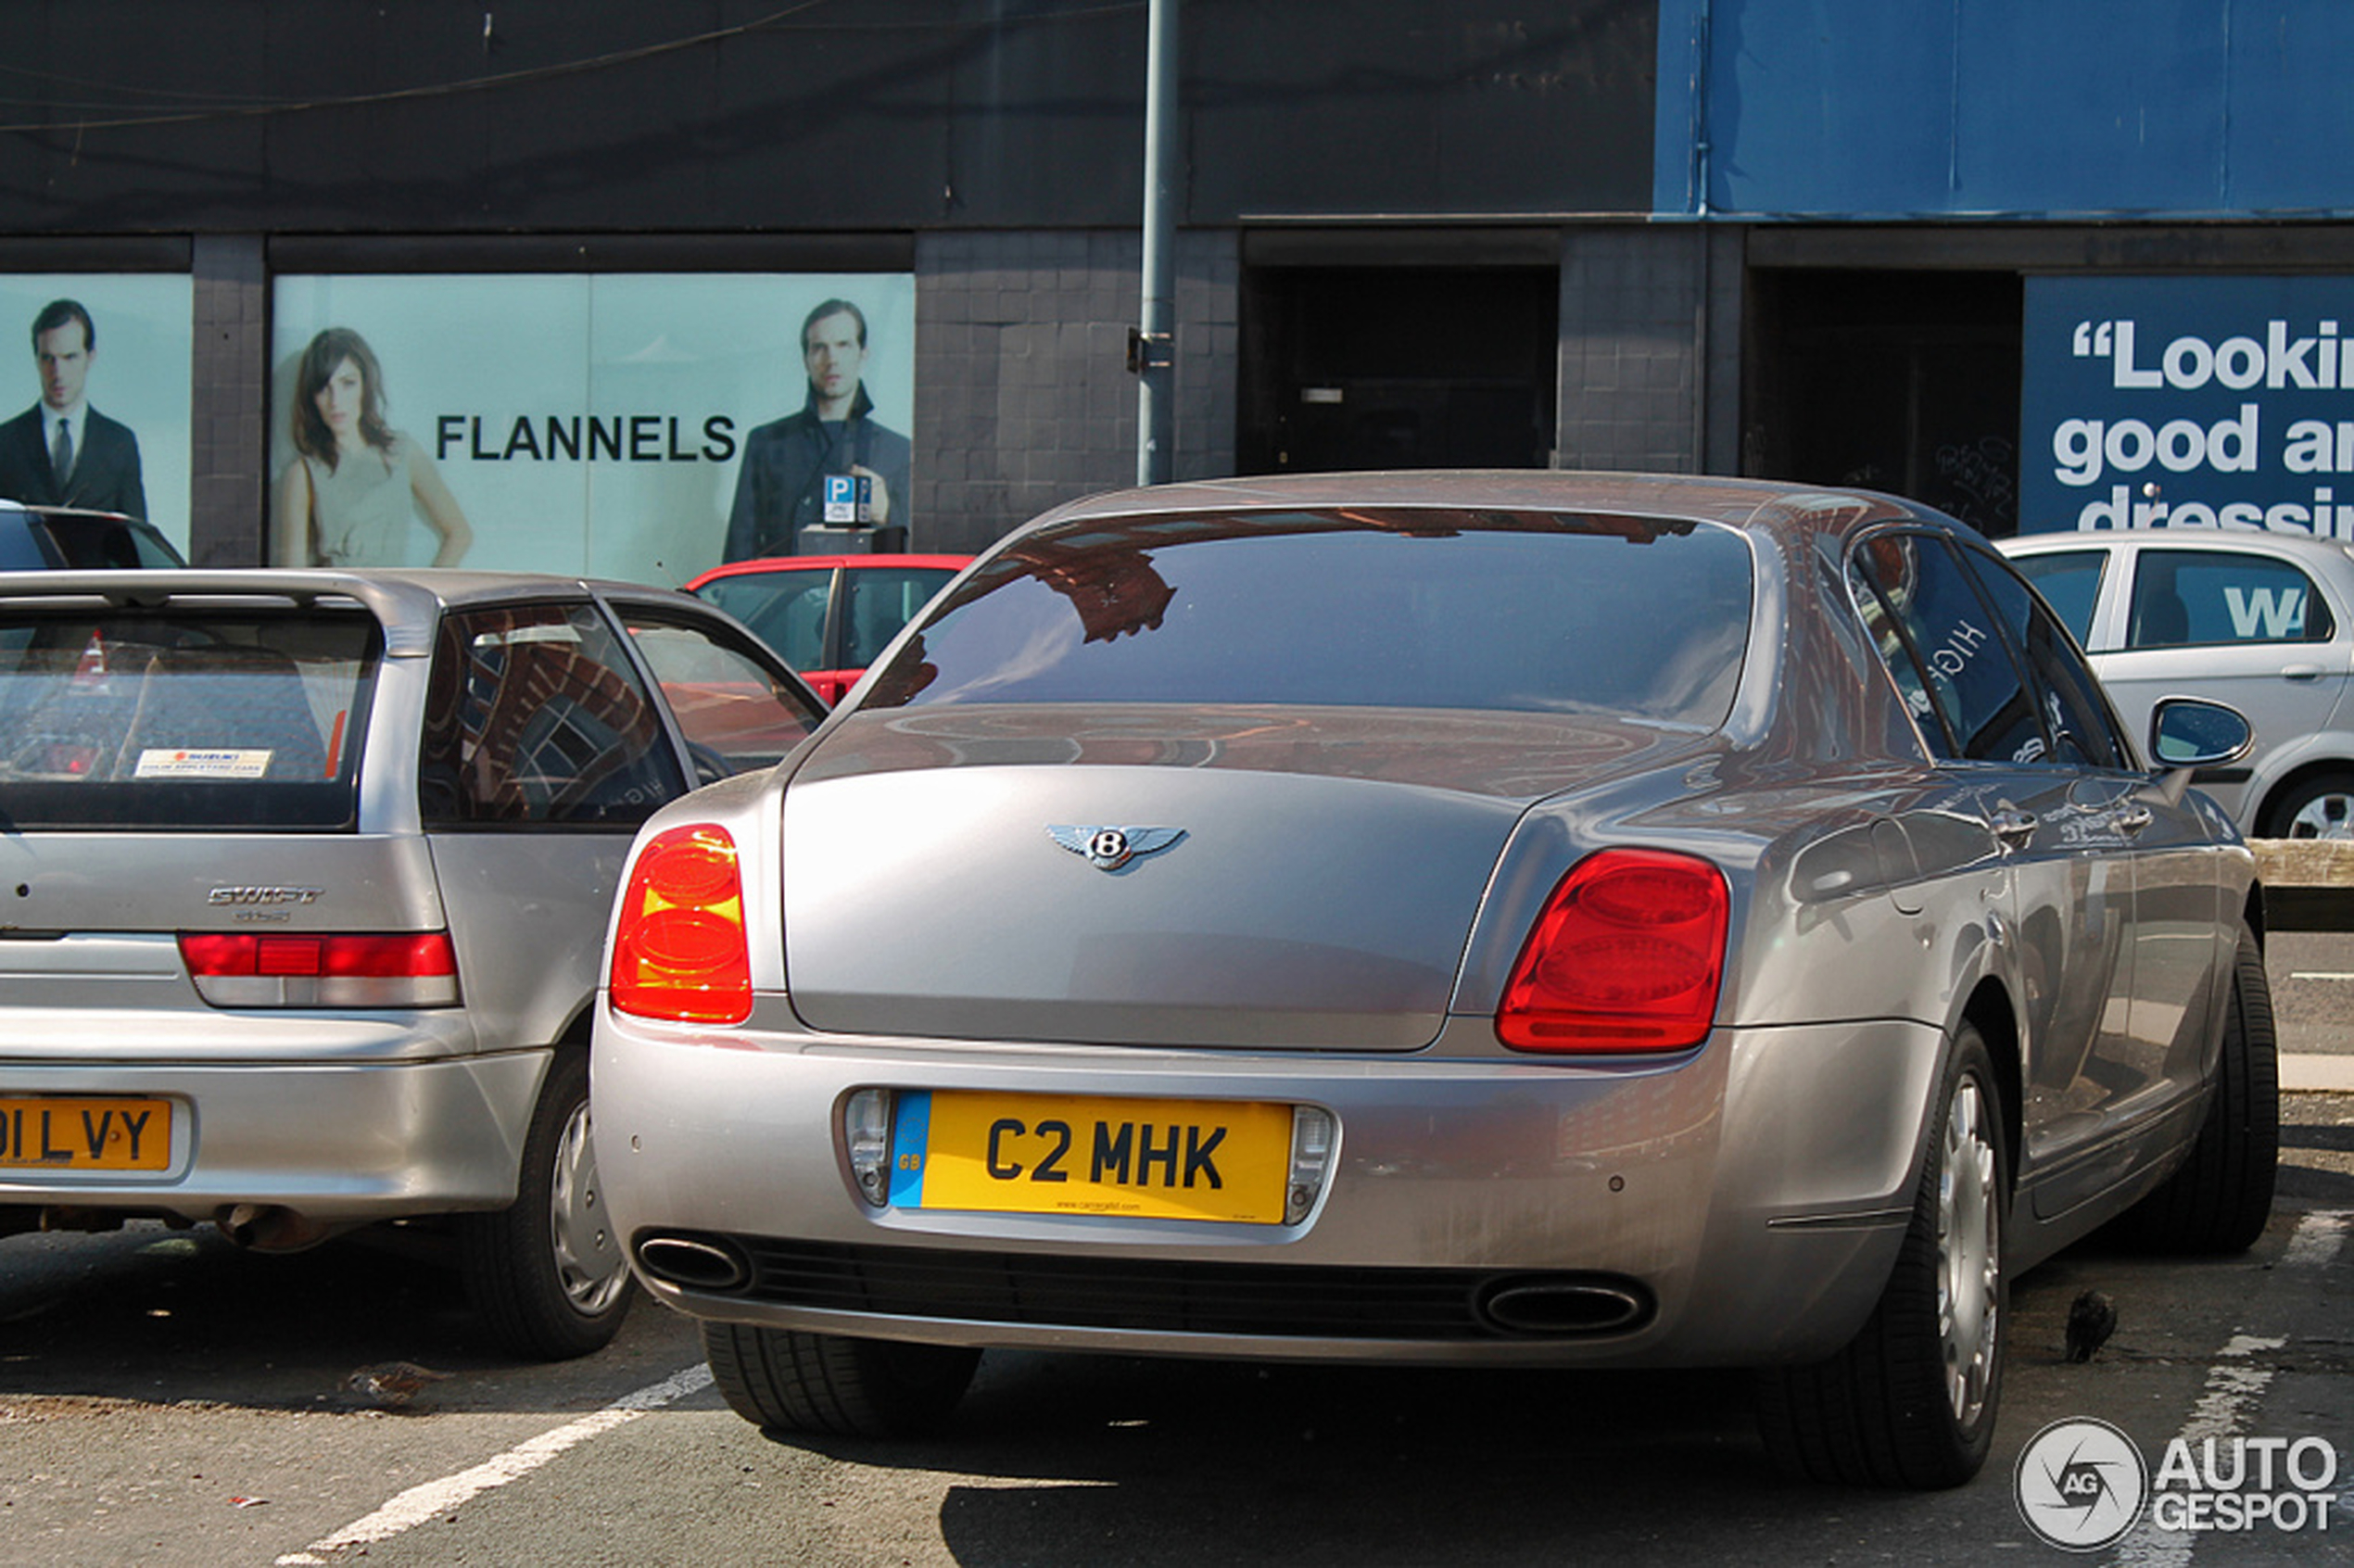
(1627, 956)
(679, 949)
(321, 969)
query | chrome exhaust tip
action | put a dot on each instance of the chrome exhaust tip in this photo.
(694, 1262)
(1565, 1305)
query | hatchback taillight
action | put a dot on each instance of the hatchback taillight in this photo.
(678, 947)
(1627, 956)
(321, 969)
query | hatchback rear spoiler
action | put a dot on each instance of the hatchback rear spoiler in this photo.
(406, 611)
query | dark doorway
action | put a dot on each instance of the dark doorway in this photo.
(1906, 382)
(1397, 367)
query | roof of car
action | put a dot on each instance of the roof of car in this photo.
(47, 510)
(823, 563)
(1734, 501)
(406, 600)
(2199, 539)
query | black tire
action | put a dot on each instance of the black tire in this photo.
(1911, 1401)
(547, 1273)
(783, 1379)
(2326, 804)
(2222, 1198)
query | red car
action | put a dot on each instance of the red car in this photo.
(828, 616)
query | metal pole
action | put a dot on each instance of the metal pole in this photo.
(1153, 355)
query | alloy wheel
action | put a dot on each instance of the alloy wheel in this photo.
(1969, 1248)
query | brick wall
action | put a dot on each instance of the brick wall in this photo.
(228, 445)
(1024, 399)
(1632, 346)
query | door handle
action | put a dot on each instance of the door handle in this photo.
(2012, 829)
(2133, 820)
(2301, 672)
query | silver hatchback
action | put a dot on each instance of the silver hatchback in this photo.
(301, 892)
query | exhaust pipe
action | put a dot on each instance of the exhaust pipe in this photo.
(270, 1226)
(1566, 1306)
(696, 1263)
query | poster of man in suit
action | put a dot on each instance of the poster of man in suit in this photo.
(111, 352)
(62, 452)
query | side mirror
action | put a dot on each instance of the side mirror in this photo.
(2193, 732)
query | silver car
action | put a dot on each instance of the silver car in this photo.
(301, 890)
(1505, 920)
(2264, 622)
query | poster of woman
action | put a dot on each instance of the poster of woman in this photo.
(357, 486)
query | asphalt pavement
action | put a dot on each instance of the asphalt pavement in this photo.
(2312, 976)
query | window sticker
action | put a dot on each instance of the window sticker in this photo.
(167, 762)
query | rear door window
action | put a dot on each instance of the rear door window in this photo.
(735, 713)
(535, 717)
(2081, 730)
(183, 718)
(2189, 597)
(1942, 647)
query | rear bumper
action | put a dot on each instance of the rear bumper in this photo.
(1751, 1195)
(338, 1142)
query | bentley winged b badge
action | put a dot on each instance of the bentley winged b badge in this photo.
(1108, 849)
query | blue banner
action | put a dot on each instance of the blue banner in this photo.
(2188, 402)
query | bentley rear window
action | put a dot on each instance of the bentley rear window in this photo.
(1523, 612)
(182, 718)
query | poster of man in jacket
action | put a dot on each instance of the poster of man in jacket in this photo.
(833, 463)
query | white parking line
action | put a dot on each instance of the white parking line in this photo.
(2317, 974)
(435, 1498)
(2233, 1385)
(2320, 1237)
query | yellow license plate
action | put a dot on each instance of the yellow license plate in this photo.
(1052, 1153)
(110, 1133)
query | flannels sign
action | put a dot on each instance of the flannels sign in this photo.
(609, 423)
(2182, 402)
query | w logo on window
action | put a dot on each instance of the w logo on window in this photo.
(2267, 614)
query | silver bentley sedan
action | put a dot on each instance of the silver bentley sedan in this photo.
(1504, 919)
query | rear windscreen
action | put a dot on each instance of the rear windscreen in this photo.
(183, 719)
(1523, 612)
